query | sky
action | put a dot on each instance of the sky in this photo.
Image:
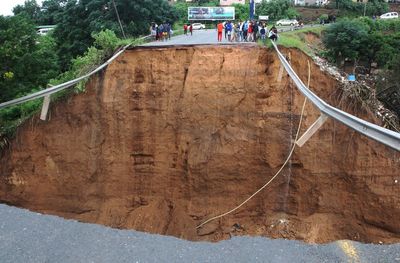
(6, 6)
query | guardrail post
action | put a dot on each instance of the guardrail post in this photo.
(313, 129)
(45, 107)
(280, 74)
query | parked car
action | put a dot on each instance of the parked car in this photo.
(390, 15)
(287, 22)
(198, 26)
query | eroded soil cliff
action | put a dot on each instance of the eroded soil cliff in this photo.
(166, 137)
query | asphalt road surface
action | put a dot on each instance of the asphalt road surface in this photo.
(200, 37)
(31, 237)
(208, 36)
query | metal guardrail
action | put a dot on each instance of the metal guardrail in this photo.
(375, 132)
(64, 85)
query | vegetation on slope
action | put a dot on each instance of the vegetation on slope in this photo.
(298, 39)
(105, 43)
(371, 46)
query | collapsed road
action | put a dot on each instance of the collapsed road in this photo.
(168, 136)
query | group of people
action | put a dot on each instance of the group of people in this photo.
(186, 28)
(161, 32)
(248, 31)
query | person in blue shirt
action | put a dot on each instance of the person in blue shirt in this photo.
(228, 29)
(263, 33)
(245, 28)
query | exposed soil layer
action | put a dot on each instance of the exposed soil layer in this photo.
(164, 138)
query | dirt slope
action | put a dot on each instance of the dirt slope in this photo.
(167, 137)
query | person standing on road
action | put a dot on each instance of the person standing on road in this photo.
(161, 32)
(191, 29)
(236, 35)
(263, 33)
(225, 25)
(157, 32)
(233, 34)
(250, 32)
(255, 31)
(229, 30)
(244, 30)
(153, 31)
(240, 37)
(168, 29)
(185, 29)
(220, 28)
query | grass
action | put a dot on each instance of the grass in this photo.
(297, 39)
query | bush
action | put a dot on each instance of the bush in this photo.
(388, 88)
(292, 13)
(106, 40)
(324, 17)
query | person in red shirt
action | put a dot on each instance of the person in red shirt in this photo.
(220, 28)
(250, 32)
(191, 29)
(185, 28)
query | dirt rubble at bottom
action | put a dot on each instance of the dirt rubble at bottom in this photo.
(165, 138)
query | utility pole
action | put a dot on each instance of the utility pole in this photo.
(365, 6)
(119, 20)
(252, 9)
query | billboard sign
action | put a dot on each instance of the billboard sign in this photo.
(211, 13)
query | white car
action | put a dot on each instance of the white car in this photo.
(44, 31)
(198, 26)
(390, 15)
(287, 22)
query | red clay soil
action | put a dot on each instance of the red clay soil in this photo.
(165, 138)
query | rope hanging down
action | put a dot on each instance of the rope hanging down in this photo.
(277, 173)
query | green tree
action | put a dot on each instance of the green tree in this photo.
(28, 61)
(376, 7)
(51, 10)
(82, 18)
(46, 14)
(181, 11)
(346, 40)
(276, 9)
(242, 11)
(31, 9)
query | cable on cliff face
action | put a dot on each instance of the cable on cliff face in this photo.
(277, 173)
